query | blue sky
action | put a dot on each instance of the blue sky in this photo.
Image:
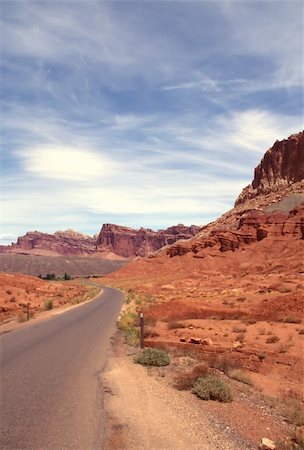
(146, 113)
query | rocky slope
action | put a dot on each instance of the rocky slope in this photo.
(112, 240)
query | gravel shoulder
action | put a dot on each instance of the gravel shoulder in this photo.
(144, 412)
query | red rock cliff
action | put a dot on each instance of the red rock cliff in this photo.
(128, 242)
(116, 239)
(281, 167)
(66, 242)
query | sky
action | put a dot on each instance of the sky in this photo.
(140, 113)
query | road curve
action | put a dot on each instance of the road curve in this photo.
(51, 392)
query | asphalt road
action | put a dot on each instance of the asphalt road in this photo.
(51, 371)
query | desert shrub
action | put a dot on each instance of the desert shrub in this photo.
(261, 356)
(150, 332)
(240, 337)
(293, 410)
(301, 331)
(174, 325)
(128, 319)
(50, 276)
(129, 324)
(237, 329)
(149, 321)
(272, 339)
(21, 317)
(261, 331)
(153, 357)
(212, 388)
(225, 364)
(241, 376)
(185, 381)
(47, 305)
(285, 290)
(249, 321)
(292, 319)
(9, 292)
(132, 335)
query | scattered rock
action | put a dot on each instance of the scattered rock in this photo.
(207, 341)
(194, 340)
(237, 344)
(183, 339)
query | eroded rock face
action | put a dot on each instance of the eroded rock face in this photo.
(66, 242)
(281, 166)
(253, 226)
(129, 242)
(114, 239)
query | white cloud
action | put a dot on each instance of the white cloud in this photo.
(64, 163)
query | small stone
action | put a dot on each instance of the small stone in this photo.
(183, 339)
(267, 444)
(237, 344)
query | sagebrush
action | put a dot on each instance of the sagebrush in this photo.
(211, 387)
(153, 357)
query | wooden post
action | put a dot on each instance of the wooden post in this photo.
(141, 316)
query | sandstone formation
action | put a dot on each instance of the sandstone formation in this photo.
(66, 242)
(112, 240)
(128, 242)
(253, 226)
(281, 167)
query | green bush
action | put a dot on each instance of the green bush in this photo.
(212, 388)
(48, 304)
(153, 357)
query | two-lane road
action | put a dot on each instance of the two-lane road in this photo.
(51, 392)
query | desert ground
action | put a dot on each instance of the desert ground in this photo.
(240, 313)
(17, 290)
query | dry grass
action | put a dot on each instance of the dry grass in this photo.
(241, 376)
(185, 381)
(174, 325)
(272, 339)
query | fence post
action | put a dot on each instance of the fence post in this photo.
(141, 316)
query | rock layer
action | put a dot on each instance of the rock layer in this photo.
(253, 226)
